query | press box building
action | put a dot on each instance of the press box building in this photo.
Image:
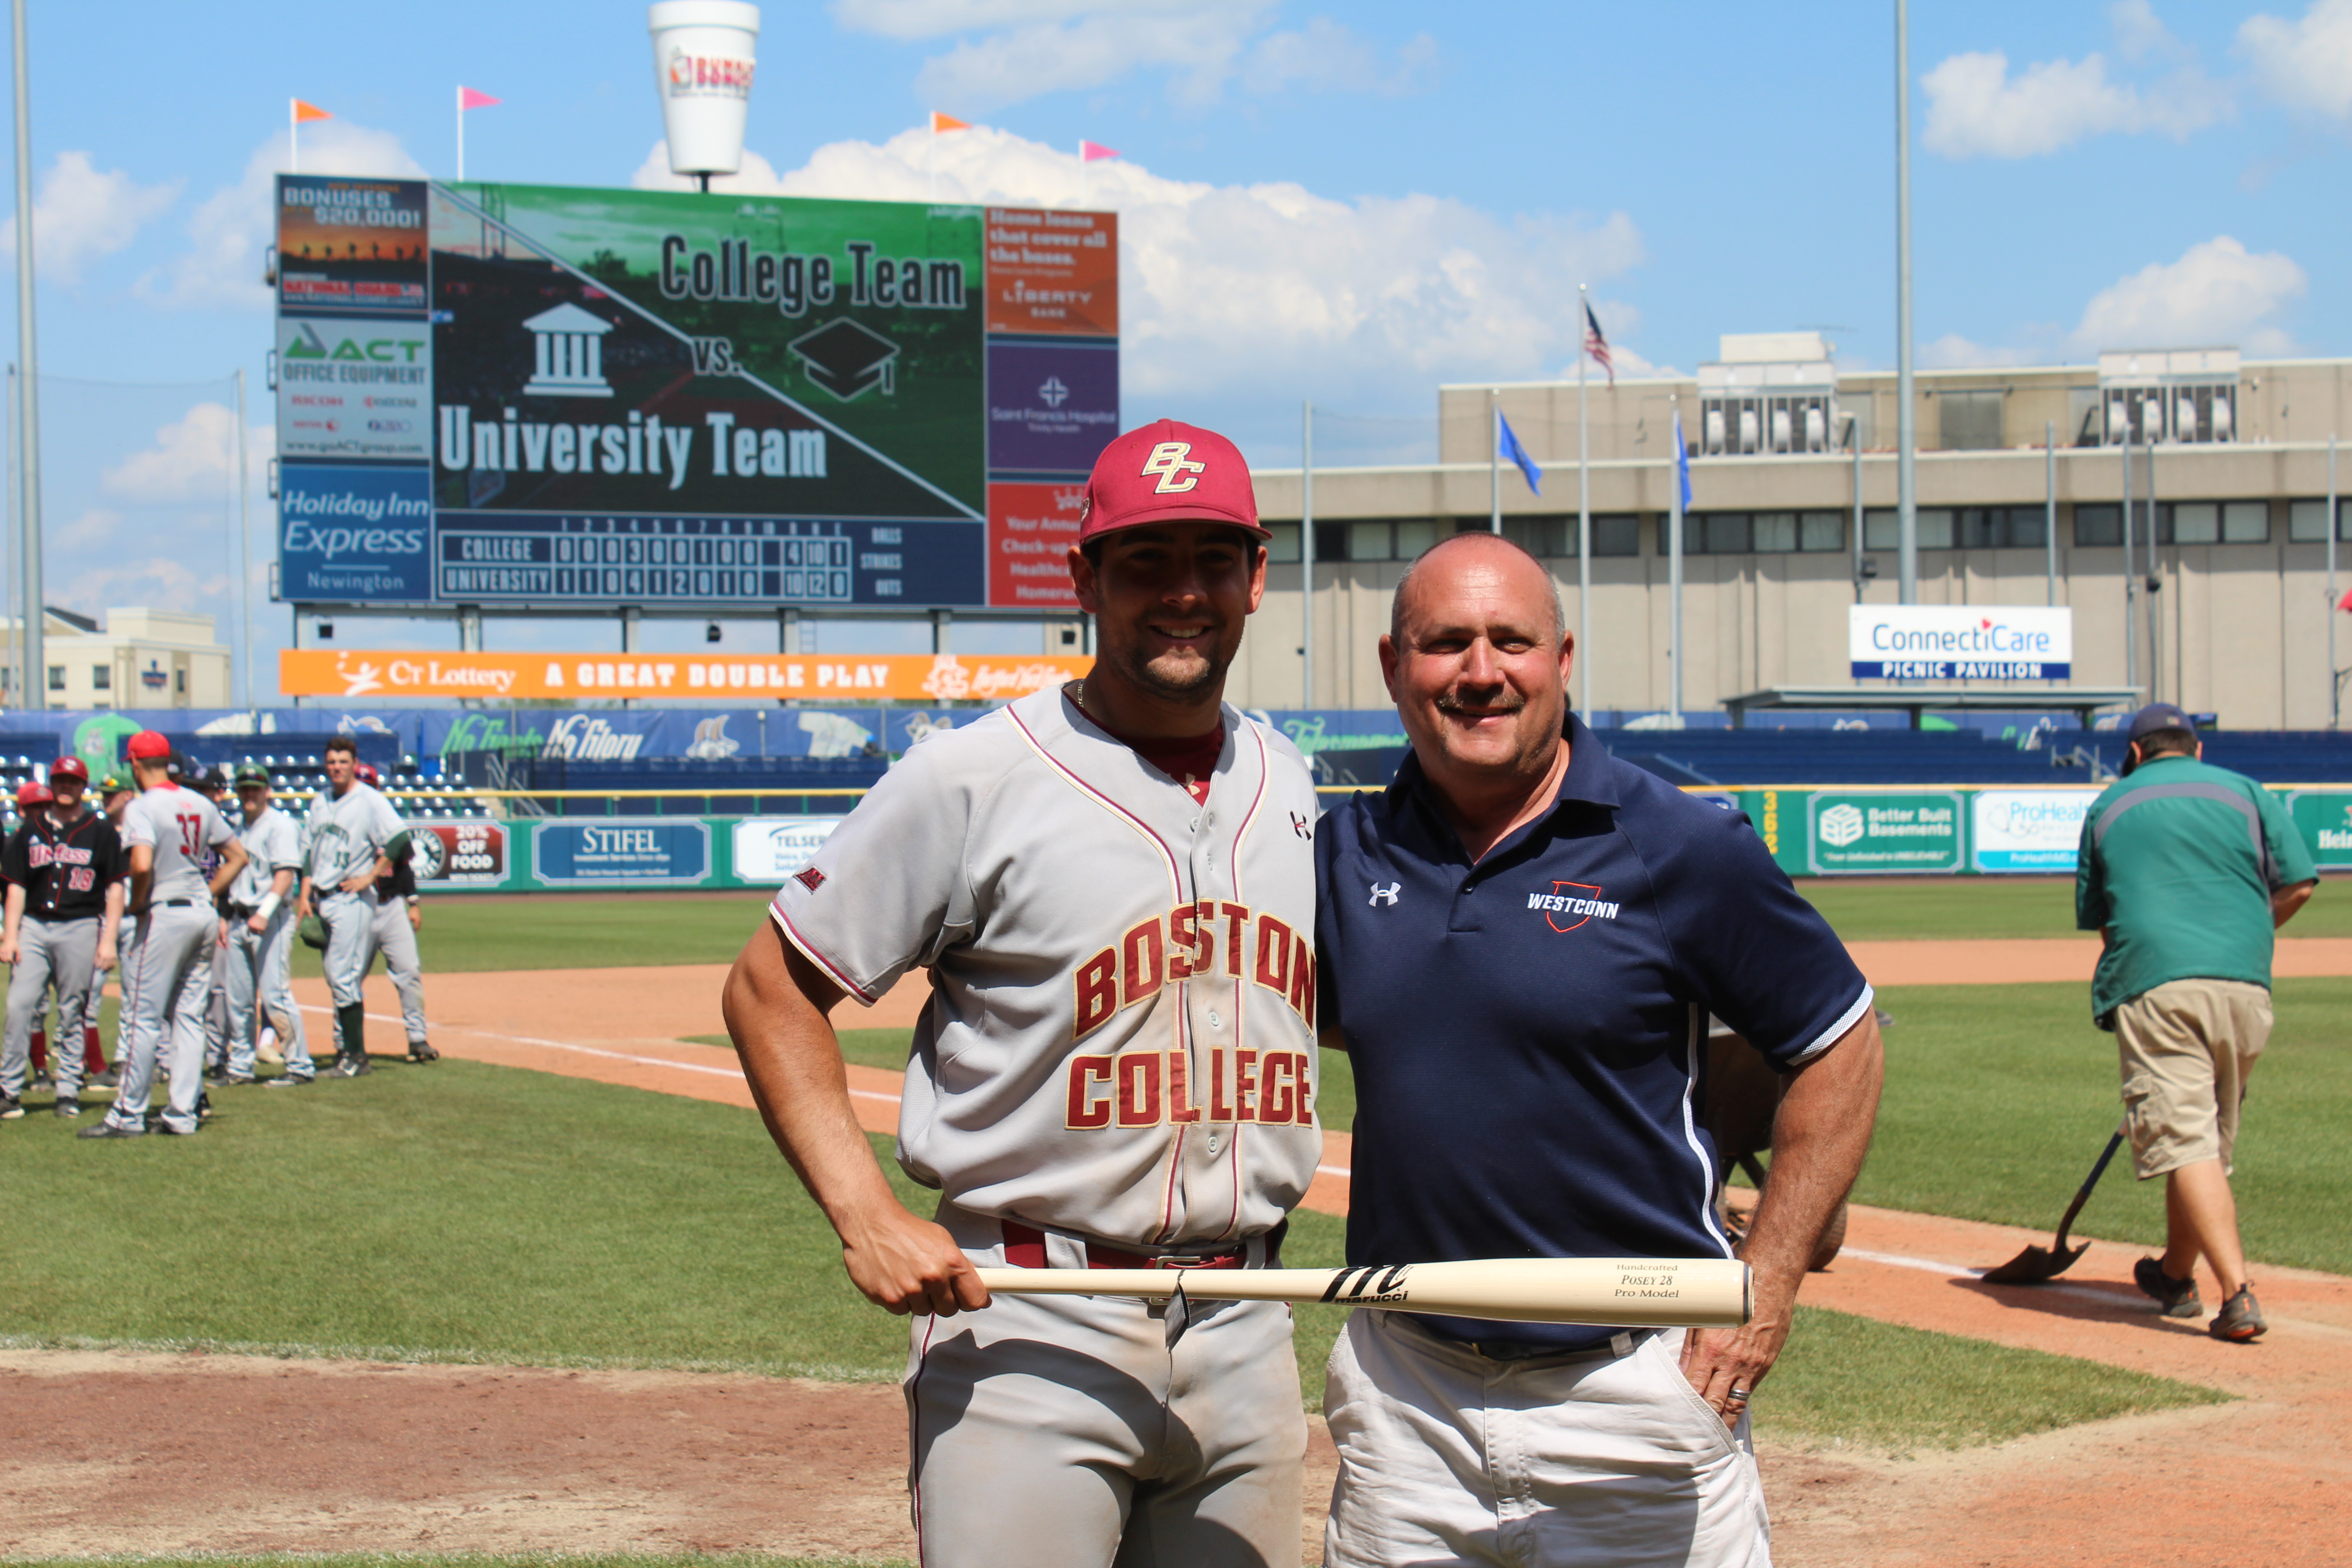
(2234, 453)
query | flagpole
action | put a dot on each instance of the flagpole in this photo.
(1493, 460)
(1583, 519)
(1306, 555)
(461, 133)
(2335, 681)
(293, 139)
(1907, 494)
(28, 401)
(1674, 565)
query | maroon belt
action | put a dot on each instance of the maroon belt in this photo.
(1024, 1248)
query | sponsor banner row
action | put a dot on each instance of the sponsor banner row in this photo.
(501, 677)
(618, 853)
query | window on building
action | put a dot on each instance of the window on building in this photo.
(1999, 527)
(1821, 531)
(101, 677)
(2193, 522)
(57, 677)
(1615, 534)
(1971, 420)
(1331, 542)
(1718, 534)
(1935, 528)
(1370, 542)
(1282, 550)
(2245, 523)
(1412, 537)
(2098, 526)
(180, 681)
(2306, 522)
(1775, 532)
(1881, 530)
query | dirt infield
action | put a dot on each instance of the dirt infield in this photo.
(168, 1454)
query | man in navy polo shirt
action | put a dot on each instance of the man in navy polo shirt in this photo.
(1522, 941)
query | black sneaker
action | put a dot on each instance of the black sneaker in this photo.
(11, 1108)
(203, 1108)
(420, 1052)
(288, 1080)
(2240, 1319)
(110, 1127)
(353, 1064)
(2177, 1297)
(168, 1131)
(69, 1108)
(111, 1078)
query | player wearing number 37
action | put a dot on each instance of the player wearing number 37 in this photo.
(1112, 885)
(1522, 939)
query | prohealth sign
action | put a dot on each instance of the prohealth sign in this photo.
(1960, 642)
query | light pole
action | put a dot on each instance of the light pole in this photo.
(28, 399)
(1906, 494)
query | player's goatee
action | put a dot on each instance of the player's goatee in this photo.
(1165, 677)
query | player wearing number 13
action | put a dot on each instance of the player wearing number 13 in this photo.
(168, 829)
(350, 841)
(1112, 885)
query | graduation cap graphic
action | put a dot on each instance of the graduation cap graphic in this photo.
(847, 359)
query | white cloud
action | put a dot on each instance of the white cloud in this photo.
(1006, 52)
(81, 215)
(158, 582)
(2217, 293)
(1953, 351)
(91, 530)
(191, 460)
(1976, 109)
(230, 229)
(2305, 65)
(2138, 33)
(1234, 290)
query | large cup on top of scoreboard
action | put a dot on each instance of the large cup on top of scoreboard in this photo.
(703, 53)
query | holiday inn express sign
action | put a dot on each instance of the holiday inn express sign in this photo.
(1960, 642)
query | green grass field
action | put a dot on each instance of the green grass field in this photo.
(509, 1216)
(565, 930)
(1871, 908)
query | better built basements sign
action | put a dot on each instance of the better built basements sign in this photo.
(1960, 642)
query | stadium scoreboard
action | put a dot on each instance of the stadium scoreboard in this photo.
(559, 398)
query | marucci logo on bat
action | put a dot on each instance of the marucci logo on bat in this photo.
(1370, 1283)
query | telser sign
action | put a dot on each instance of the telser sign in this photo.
(1960, 642)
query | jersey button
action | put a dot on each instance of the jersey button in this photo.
(1214, 1021)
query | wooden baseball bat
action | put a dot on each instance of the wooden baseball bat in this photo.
(1613, 1292)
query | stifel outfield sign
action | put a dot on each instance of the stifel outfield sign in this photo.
(912, 678)
(1960, 642)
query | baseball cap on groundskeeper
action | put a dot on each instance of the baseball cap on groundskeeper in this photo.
(251, 773)
(2154, 720)
(109, 786)
(1168, 472)
(147, 746)
(69, 768)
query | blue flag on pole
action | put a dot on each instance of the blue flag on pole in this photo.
(1509, 447)
(1682, 459)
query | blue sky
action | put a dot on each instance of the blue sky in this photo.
(1348, 203)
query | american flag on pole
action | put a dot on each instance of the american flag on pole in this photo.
(1596, 345)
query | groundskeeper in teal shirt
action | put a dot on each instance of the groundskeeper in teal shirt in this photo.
(2178, 863)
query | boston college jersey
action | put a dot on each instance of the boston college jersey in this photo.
(1120, 1039)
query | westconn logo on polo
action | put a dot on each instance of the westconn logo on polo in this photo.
(1581, 900)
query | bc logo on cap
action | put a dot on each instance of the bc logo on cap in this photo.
(1176, 474)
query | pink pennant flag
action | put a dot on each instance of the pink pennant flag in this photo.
(469, 99)
(1094, 152)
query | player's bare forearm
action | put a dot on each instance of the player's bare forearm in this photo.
(233, 859)
(2286, 902)
(13, 923)
(1819, 1139)
(776, 1004)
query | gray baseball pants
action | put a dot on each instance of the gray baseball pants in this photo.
(350, 919)
(392, 935)
(164, 989)
(258, 970)
(60, 953)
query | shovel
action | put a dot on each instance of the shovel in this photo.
(2036, 1264)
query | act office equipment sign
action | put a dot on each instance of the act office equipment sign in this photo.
(1960, 642)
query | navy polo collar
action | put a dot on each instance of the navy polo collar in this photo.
(1590, 780)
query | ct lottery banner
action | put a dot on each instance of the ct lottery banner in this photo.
(598, 398)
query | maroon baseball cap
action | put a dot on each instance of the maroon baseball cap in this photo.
(147, 746)
(365, 773)
(1167, 472)
(69, 768)
(32, 793)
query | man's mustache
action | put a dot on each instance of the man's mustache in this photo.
(1507, 700)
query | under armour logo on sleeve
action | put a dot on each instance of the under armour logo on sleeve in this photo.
(1386, 896)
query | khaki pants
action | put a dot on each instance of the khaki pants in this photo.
(2188, 1046)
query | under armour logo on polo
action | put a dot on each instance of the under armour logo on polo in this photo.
(1385, 896)
(1177, 473)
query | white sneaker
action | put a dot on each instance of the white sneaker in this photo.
(266, 1048)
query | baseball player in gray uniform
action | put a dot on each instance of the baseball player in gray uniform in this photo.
(399, 916)
(257, 929)
(64, 867)
(351, 838)
(1112, 886)
(166, 830)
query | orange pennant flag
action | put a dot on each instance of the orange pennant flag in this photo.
(306, 112)
(945, 123)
